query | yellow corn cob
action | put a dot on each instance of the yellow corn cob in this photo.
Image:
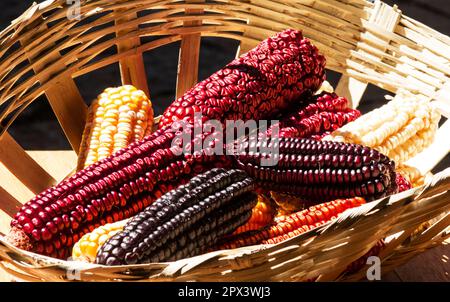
(118, 117)
(86, 248)
(400, 129)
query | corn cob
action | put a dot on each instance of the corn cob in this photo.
(319, 169)
(86, 248)
(289, 226)
(323, 113)
(262, 215)
(116, 118)
(400, 129)
(280, 70)
(184, 222)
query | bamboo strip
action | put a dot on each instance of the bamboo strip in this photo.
(132, 70)
(189, 55)
(16, 160)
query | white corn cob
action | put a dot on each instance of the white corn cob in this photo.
(400, 129)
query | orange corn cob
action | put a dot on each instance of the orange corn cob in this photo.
(288, 226)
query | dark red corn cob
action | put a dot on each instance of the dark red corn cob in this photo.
(319, 169)
(260, 83)
(184, 221)
(288, 226)
(323, 113)
(402, 183)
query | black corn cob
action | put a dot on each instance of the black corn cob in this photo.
(320, 170)
(185, 221)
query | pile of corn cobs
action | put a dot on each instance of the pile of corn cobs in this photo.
(137, 197)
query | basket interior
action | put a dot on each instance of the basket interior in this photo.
(43, 52)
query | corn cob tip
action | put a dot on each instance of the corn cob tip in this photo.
(19, 239)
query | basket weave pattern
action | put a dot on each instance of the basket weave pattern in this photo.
(42, 52)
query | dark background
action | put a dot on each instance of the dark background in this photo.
(37, 127)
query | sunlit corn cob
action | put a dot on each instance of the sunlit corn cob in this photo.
(262, 215)
(288, 226)
(400, 129)
(86, 248)
(116, 118)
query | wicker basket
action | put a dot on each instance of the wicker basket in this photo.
(366, 42)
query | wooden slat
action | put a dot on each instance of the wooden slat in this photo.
(383, 15)
(188, 61)
(9, 205)
(132, 68)
(58, 163)
(12, 192)
(246, 45)
(64, 98)
(24, 168)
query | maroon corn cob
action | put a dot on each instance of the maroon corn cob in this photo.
(323, 113)
(288, 226)
(280, 70)
(320, 169)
